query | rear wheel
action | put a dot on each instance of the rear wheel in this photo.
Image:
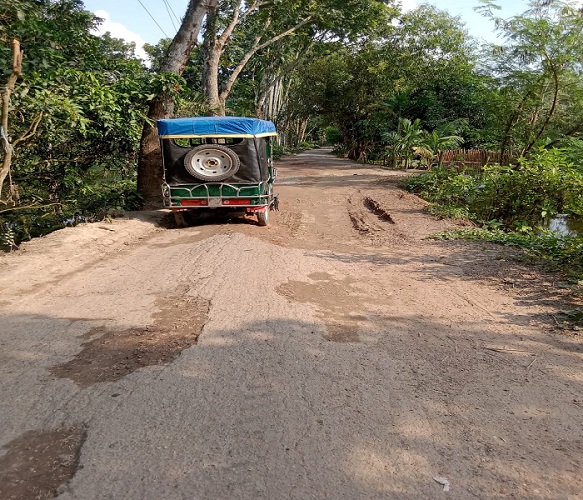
(180, 219)
(263, 218)
(186, 218)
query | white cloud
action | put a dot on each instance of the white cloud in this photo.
(407, 5)
(118, 30)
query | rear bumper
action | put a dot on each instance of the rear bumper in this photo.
(218, 195)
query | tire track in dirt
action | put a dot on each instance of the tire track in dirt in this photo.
(373, 219)
(375, 207)
(360, 218)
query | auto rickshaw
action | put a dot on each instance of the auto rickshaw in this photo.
(218, 164)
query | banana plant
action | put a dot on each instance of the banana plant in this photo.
(401, 143)
(434, 144)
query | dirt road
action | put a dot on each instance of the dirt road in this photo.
(335, 354)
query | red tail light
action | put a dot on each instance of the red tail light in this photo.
(194, 203)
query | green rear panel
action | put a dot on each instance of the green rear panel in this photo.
(258, 193)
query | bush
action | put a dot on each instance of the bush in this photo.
(96, 200)
(511, 204)
(302, 146)
(90, 202)
(333, 136)
(521, 196)
(277, 150)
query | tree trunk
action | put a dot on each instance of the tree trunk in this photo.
(212, 51)
(550, 114)
(150, 172)
(512, 120)
(268, 103)
(17, 54)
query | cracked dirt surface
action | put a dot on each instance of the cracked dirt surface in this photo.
(336, 353)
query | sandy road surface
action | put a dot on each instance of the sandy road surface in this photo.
(334, 354)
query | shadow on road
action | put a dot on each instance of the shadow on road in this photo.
(273, 407)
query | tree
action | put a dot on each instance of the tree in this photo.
(436, 141)
(54, 34)
(75, 116)
(162, 106)
(405, 140)
(421, 67)
(538, 69)
(17, 55)
(250, 27)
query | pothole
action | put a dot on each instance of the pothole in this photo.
(38, 462)
(112, 355)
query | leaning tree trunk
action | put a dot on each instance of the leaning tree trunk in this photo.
(150, 171)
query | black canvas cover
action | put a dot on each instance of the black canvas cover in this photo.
(252, 154)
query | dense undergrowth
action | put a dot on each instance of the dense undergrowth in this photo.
(512, 204)
(279, 151)
(90, 202)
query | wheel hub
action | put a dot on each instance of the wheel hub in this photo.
(211, 162)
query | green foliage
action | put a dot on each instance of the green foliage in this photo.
(401, 143)
(448, 211)
(542, 186)
(572, 148)
(512, 204)
(445, 186)
(277, 151)
(520, 197)
(90, 121)
(91, 96)
(91, 198)
(332, 135)
(537, 68)
(365, 90)
(442, 138)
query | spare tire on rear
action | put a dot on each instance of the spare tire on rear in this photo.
(211, 162)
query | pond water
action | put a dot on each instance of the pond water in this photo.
(563, 224)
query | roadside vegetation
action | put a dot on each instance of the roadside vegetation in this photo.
(513, 205)
(496, 127)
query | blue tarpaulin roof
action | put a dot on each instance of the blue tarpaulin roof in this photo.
(215, 125)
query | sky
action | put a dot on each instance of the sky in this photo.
(148, 21)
